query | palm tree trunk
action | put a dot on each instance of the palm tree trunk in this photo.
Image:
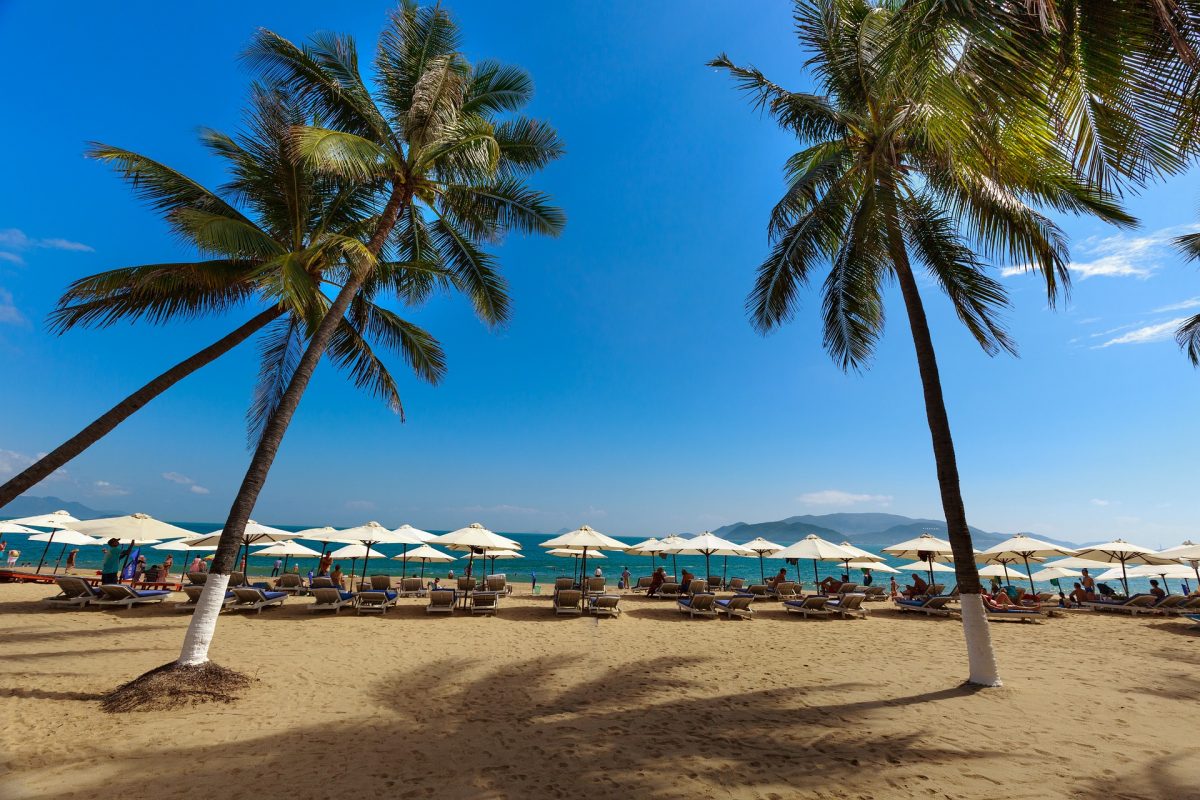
(981, 658)
(45, 466)
(204, 620)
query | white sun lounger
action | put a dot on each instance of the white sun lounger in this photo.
(193, 594)
(849, 605)
(736, 606)
(566, 601)
(811, 606)
(73, 593)
(330, 599)
(118, 595)
(251, 598)
(441, 601)
(701, 604)
(375, 600)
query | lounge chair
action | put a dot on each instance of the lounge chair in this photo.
(595, 587)
(848, 588)
(701, 604)
(466, 586)
(289, 582)
(875, 594)
(563, 583)
(784, 591)
(935, 606)
(441, 601)
(1013, 614)
(1194, 618)
(73, 593)
(484, 602)
(1136, 604)
(498, 584)
(848, 605)
(117, 595)
(567, 601)
(1189, 605)
(411, 587)
(237, 579)
(714, 583)
(193, 597)
(759, 590)
(252, 598)
(605, 605)
(330, 599)
(381, 583)
(1169, 602)
(811, 606)
(736, 584)
(668, 590)
(375, 600)
(643, 584)
(736, 606)
(197, 578)
(322, 582)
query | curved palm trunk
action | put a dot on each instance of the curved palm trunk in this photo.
(45, 466)
(981, 659)
(204, 621)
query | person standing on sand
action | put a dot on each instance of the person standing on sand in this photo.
(1089, 583)
(168, 562)
(111, 566)
(894, 588)
(324, 564)
(275, 569)
(71, 559)
(868, 579)
(626, 575)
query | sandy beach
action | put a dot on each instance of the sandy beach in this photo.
(648, 705)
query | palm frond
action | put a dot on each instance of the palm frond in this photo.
(280, 349)
(496, 87)
(1188, 337)
(473, 272)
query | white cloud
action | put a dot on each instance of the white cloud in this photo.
(184, 480)
(12, 462)
(1150, 333)
(836, 497)
(9, 313)
(1098, 502)
(1119, 255)
(14, 241)
(360, 505)
(1019, 269)
(1193, 302)
(106, 489)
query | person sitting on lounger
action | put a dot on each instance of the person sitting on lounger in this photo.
(830, 585)
(336, 577)
(779, 578)
(867, 579)
(998, 601)
(687, 579)
(1156, 590)
(919, 587)
(656, 581)
(1079, 595)
(324, 564)
(1089, 583)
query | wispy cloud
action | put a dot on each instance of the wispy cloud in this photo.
(1147, 334)
(184, 480)
(9, 313)
(1121, 255)
(1096, 501)
(108, 489)
(14, 241)
(836, 497)
(1184, 305)
(12, 462)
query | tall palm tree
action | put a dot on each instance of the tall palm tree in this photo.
(433, 139)
(277, 230)
(898, 166)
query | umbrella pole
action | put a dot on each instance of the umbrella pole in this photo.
(286, 557)
(1029, 572)
(366, 560)
(674, 567)
(63, 552)
(44, 549)
(582, 573)
(1124, 578)
(762, 574)
(725, 573)
(1007, 580)
(404, 562)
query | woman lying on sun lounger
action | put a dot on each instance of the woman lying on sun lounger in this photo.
(998, 601)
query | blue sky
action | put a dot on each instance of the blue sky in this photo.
(629, 392)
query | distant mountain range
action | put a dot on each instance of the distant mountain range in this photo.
(870, 531)
(27, 506)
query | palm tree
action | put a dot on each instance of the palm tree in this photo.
(296, 229)
(432, 139)
(1120, 81)
(897, 167)
(1188, 335)
(306, 223)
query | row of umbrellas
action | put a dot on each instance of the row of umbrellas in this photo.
(928, 552)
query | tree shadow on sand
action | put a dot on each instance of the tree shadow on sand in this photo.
(532, 729)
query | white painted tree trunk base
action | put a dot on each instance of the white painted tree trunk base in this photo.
(204, 621)
(981, 659)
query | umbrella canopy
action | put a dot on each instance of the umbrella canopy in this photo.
(763, 548)
(425, 553)
(874, 566)
(373, 533)
(65, 537)
(12, 527)
(474, 536)
(813, 548)
(647, 548)
(356, 551)
(55, 519)
(1055, 573)
(1185, 552)
(324, 534)
(1121, 552)
(925, 547)
(413, 535)
(183, 544)
(930, 566)
(288, 548)
(563, 552)
(132, 529)
(584, 538)
(708, 545)
(254, 534)
(1025, 549)
(859, 553)
(1074, 562)
(999, 570)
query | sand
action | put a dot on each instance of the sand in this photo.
(650, 705)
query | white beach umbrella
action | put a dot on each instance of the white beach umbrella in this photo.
(668, 545)
(860, 555)
(407, 535)
(874, 566)
(326, 535)
(1023, 548)
(1074, 562)
(495, 555)
(813, 548)
(12, 527)
(474, 539)
(1186, 553)
(762, 547)
(54, 519)
(66, 538)
(562, 552)
(583, 539)
(994, 571)
(927, 548)
(132, 529)
(1053, 573)
(929, 566)
(427, 555)
(354, 552)
(707, 545)
(182, 544)
(287, 549)
(1121, 552)
(254, 533)
(650, 548)
(1175, 570)
(372, 533)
